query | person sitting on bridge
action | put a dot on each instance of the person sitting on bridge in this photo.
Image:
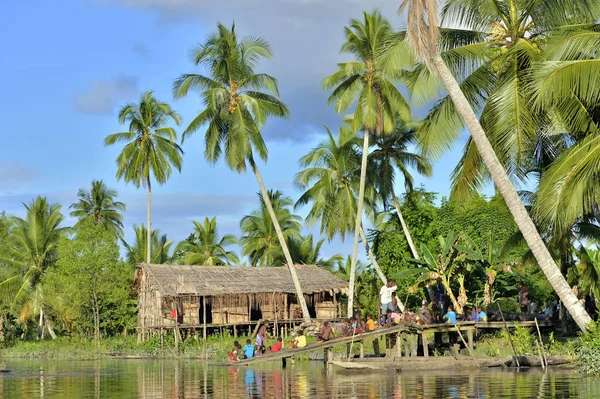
(425, 314)
(299, 341)
(370, 323)
(277, 346)
(481, 316)
(236, 352)
(450, 316)
(326, 333)
(248, 350)
(393, 318)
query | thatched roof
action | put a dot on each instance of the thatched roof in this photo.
(173, 280)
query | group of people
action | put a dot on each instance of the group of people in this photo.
(262, 337)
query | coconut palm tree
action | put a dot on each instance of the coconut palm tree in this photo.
(330, 175)
(367, 84)
(305, 251)
(260, 242)
(392, 153)
(423, 37)
(205, 246)
(29, 249)
(160, 247)
(99, 204)
(151, 148)
(238, 102)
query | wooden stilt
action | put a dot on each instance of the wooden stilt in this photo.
(399, 339)
(361, 345)
(470, 339)
(425, 342)
(234, 331)
(413, 345)
(406, 349)
(205, 317)
(176, 330)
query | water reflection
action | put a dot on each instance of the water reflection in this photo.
(191, 379)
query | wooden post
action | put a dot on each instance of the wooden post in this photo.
(234, 331)
(205, 316)
(399, 339)
(425, 342)
(286, 314)
(176, 330)
(335, 306)
(162, 338)
(544, 357)
(413, 345)
(275, 329)
(470, 339)
(282, 339)
(467, 346)
(406, 350)
(361, 345)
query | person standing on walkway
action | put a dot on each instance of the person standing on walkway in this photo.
(440, 296)
(523, 301)
(385, 296)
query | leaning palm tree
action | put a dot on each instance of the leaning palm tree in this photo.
(160, 247)
(99, 204)
(330, 176)
(423, 37)
(151, 148)
(259, 241)
(205, 246)
(369, 85)
(236, 111)
(392, 153)
(29, 249)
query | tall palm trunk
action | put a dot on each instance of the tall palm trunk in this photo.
(513, 202)
(411, 244)
(358, 224)
(286, 252)
(149, 231)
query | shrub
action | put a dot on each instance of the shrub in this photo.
(589, 350)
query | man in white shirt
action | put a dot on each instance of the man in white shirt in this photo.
(385, 296)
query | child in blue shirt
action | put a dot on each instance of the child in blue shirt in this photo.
(481, 316)
(249, 349)
(450, 316)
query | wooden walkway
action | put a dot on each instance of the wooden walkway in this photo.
(327, 346)
(403, 338)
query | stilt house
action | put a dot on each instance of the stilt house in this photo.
(231, 295)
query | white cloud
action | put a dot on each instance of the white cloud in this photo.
(101, 96)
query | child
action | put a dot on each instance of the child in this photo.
(370, 323)
(393, 318)
(262, 337)
(326, 333)
(299, 341)
(450, 316)
(277, 346)
(481, 316)
(249, 349)
(235, 354)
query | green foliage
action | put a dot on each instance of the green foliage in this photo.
(205, 247)
(27, 252)
(260, 242)
(160, 248)
(522, 338)
(99, 204)
(588, 350)
(90, 288)
(236, 108)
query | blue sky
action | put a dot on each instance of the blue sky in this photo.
(69, 65)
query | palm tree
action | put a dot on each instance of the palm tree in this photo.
(151, 147)
(205, 247)
(160, 247)
(100, 205)
(260, 242)
(391, 154)
(236, 111)
(369, 85)
(305, 251)
(29, 249)
(423, 36)
(331, 171)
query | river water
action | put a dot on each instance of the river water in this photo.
(192, 379)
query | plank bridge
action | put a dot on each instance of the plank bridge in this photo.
(404, 339)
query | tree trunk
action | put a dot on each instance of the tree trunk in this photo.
(411, 244)
(358, 224)
(513, 202)
(376, 265)
(49, 327)
(286, 252)
(149, 231)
